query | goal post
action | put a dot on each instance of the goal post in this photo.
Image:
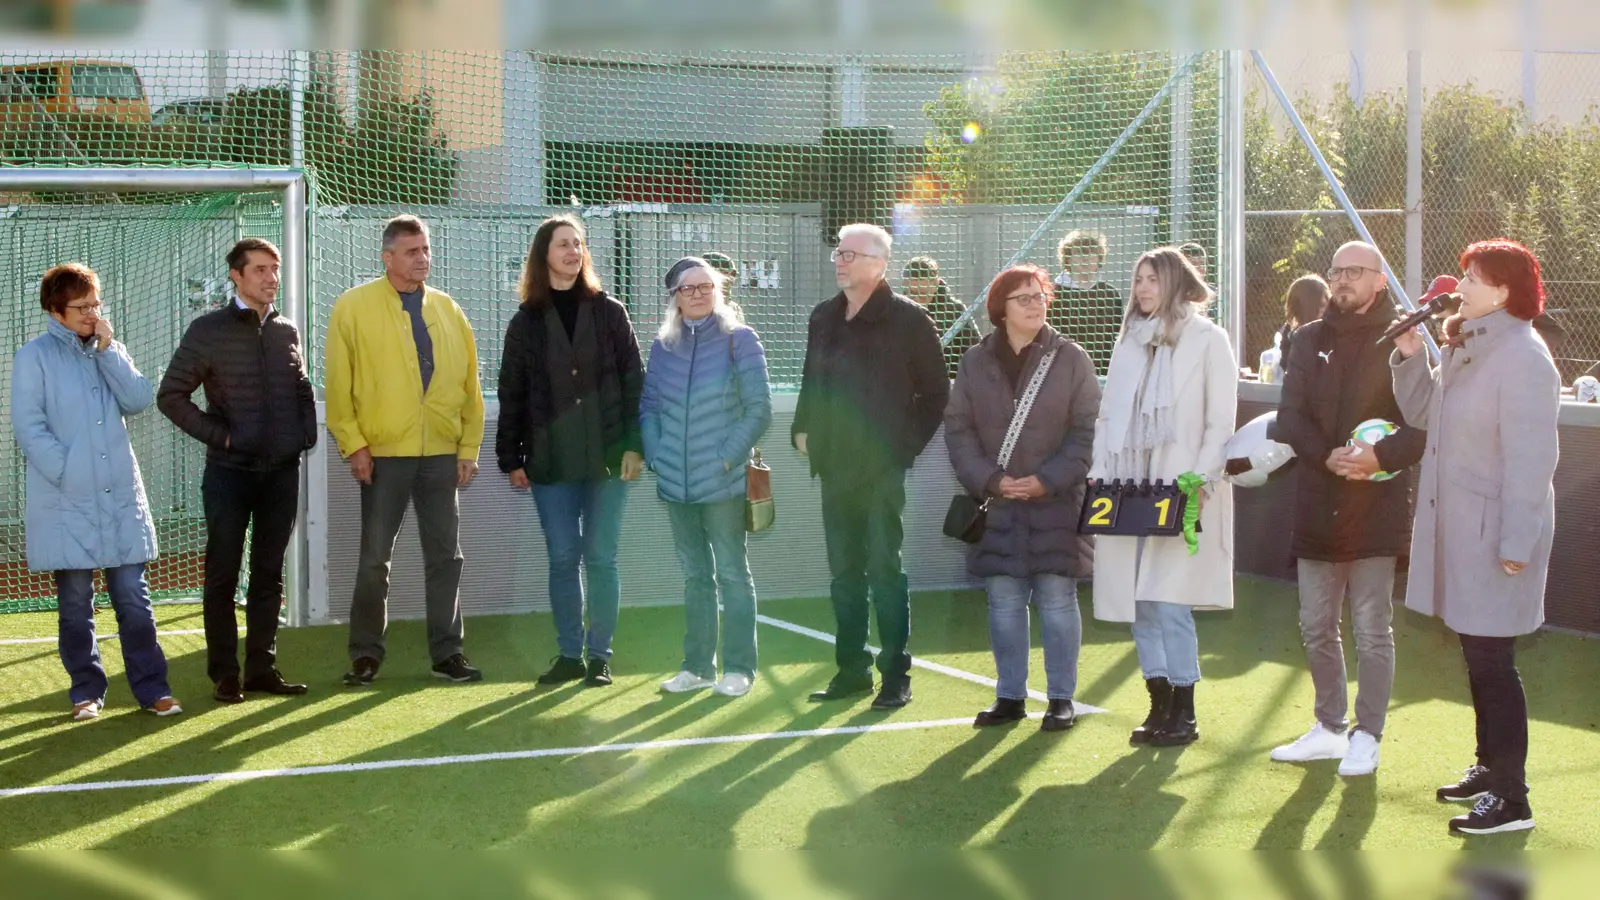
(289, 189)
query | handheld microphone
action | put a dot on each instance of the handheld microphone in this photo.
(1425, 311)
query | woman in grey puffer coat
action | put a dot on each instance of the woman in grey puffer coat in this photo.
(1031, 547)
(705, 404)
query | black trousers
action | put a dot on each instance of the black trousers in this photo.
(1502, 713)
(235, 501)
(862, 529)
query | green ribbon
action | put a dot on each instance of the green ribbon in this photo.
(1191, 483)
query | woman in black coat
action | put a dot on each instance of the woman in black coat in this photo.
(1031, 548)
(570, 381)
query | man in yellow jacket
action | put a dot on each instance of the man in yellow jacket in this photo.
(405, 405)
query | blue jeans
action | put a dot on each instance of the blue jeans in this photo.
(1056, 596)
(710, 541)
(1163, 634)
(582, 523)
(146, 665)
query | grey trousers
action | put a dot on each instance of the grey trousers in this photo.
(1370, 585)
(429, 484)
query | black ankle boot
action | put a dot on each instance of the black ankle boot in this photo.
(1180, 727)
(1160, 702)
(1059, 716)
(1001, 712)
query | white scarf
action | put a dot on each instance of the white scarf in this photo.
(1139, 398)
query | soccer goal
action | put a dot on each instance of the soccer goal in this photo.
(158, 239)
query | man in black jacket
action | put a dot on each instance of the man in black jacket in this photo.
(872, 395)
(920, 277)
(1349, 529)
(261, 415)
(1086, 309)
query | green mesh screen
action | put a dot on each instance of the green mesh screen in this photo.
(757, 156)
(159, 257)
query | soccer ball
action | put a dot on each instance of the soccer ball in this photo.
(1371, 432)
(1264, 454)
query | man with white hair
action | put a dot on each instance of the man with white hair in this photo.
(872, 395)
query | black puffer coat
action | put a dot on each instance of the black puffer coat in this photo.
(1032, 537)
(260, 411)
(1337, 377)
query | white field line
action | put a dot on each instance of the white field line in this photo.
(466, 759)
(1081, 709)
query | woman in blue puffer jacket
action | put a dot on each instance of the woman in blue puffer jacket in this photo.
(70, 389)
(705, 404)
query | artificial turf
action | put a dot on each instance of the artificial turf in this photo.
(935, 787)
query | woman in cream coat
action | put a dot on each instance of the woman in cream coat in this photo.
(1168, 409)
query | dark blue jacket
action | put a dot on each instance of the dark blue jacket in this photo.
(705, 404)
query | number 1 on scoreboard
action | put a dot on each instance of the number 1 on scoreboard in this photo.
(1164, 505)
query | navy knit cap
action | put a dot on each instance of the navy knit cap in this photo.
(684, 265)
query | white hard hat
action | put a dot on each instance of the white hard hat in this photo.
(1264, 454)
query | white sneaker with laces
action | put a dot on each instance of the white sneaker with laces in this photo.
(1318, 743)
(733, 684)
(684, 682)
(1362, 758)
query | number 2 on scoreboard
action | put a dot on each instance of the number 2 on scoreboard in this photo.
(1102, 511)
(1165, 507)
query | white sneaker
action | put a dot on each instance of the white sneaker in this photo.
(88, 709)
(684, 682)
(1318, 743)
(1362, 758)
(733, 684)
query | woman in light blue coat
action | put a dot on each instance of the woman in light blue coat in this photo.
(705, 404)
(70, 389)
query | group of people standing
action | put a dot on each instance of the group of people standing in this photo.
(1028, 425)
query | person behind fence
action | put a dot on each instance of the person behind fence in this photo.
(1349, 530)
(724, 265)
(872, 393)
(705, 404)
(923, 285)
(1196, 255)
(71, 390)
(1085, 309)
(1030, 549)
(1303, 303)
(1480, 546)
(405, 405)
(1167, 410)
(570, 382)
(260, 415)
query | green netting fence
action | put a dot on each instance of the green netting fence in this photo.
(757, 156)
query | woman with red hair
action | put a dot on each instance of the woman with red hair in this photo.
(1033, 481)
(1480, 546)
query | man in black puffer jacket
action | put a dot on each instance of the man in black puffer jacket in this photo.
(261, 415)
(872, 394)
(1349, 530)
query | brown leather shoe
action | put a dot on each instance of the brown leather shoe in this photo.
(228, 690)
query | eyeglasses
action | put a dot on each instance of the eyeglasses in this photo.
(695, 290)
(1353, 272)
(87, 309)
(1027, 300)
(849, 256)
